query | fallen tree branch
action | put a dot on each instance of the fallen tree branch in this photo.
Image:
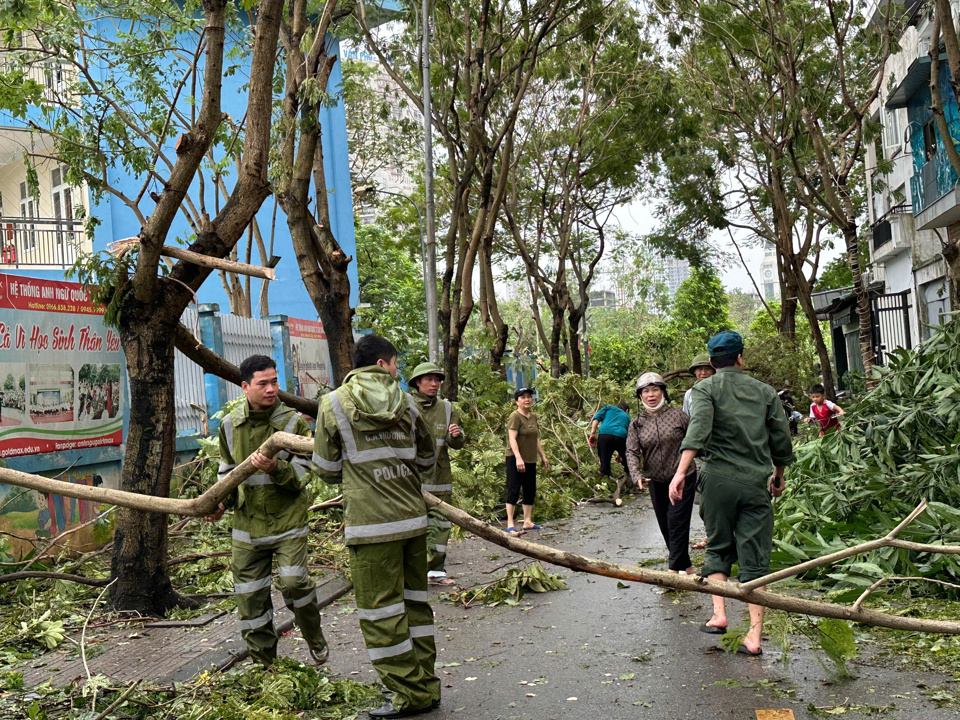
(48, 575)
(208, 502)
(206, 261)
(836, 556)
(333, 502)
(682, 581)
(866, 593)
(205, 504)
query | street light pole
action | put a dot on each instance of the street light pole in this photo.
(430, 261)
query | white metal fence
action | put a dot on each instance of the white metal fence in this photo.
(190, 393)
(243, 337)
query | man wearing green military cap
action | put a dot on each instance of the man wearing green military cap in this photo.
(372, 438)
(738, 426)
(701, 369)
(444, 422)
(269, 515)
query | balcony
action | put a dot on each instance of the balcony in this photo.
(40, 243)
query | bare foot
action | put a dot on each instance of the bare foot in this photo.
(717, 621)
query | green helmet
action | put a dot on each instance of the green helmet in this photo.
(701, 360)
(425, 368)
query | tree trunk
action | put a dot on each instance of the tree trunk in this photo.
(140, 539)
(573, 329)
(823, 353)
(863, 299)
(451, 369)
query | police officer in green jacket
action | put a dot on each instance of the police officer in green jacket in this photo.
(372, 438)
(738, 426)
(270, 515)
(444, 422)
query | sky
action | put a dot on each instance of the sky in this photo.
(637, 218)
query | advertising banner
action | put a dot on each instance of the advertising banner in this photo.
(61, 369)
(311, 357)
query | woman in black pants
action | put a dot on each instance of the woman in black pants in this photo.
(523, 448)
(653, 453)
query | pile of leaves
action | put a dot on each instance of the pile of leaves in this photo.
(565, 407)
(897, 447)
(510, 587)
(288, 690)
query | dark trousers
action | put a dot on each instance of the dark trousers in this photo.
(607, 445)
(517, 481)
(674, 520)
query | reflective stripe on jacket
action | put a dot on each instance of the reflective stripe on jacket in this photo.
(439, 415)
(372, 438)
(267, 508)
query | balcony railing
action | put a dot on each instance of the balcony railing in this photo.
(47, 242)
(883, 230)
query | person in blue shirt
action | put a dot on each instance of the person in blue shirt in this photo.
(613, 423)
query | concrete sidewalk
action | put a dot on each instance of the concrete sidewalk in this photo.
(164, 651)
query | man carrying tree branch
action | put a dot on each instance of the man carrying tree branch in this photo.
(738, 425)
(270, 515)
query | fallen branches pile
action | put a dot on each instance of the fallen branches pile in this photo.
(747, 592)
(896, 448)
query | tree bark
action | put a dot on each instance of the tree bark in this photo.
(140, 539)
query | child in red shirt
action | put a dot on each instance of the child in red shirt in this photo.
(823, 411)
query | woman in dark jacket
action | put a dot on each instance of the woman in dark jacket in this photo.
(653, 453)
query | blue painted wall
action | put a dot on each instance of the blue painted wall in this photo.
(287, 294)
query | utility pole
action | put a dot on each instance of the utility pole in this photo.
(430, 279)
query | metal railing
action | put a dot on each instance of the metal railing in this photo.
(882, 230)
(48, 242)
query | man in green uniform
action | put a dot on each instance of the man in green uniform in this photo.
(443, 419)
(270, 515)
(738, 426)
(372, 438)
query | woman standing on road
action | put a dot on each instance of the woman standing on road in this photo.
(612, 421)
(653, 454)
(523, 448)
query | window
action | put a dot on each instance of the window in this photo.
(27, 212)
(891, 129)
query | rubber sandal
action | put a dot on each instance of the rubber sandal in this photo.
(515, 531)
(744, 650)
(443, 582)
(533, 527)
(713, 629)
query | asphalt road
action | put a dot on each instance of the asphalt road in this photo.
(600, 651)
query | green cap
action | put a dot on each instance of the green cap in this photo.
(725, 343)
(425, 368)
(701, 360)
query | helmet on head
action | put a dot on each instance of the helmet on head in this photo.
(652, 378)
(701, 360)
(425, 368)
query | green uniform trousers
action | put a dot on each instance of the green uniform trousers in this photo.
(438, 533)
(738, 518)
(252, 577)
(390, 585)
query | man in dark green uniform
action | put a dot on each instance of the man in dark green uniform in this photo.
(738, 426)
(270, 515)
(372, 438)
(443, 419)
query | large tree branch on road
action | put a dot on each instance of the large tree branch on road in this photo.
(207, 503)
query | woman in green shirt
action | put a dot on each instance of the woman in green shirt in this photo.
(523, 448)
